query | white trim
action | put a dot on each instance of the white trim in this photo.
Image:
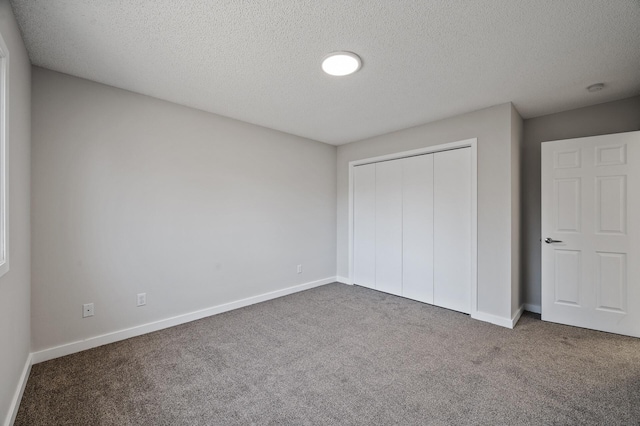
(501, 321)
(414, 152)
(4, 157)
(536, 309)
(472, 143)
(17, 397)
(474, 225)
(93, 342)
(343, 280)
(493, 319)
(516, 316)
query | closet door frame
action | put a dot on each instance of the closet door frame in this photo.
(470, 143)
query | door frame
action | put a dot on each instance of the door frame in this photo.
(467, 143)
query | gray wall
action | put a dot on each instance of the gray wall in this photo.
(15, 309)
(611, 117)
(133, 194)
(493, 128)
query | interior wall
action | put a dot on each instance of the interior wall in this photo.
(492, 128)
(610, 117)
(132, 194)
(15, 309)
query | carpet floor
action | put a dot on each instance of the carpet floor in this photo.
(342, 354)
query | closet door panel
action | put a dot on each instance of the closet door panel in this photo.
(389, 227)
(364, 222)
(452, 229)
(417, 228)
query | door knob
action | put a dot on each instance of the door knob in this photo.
(551, 240)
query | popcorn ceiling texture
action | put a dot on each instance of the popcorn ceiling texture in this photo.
(259, 61)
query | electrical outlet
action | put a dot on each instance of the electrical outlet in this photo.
(87, 310)
(299, 269)
(142, 299)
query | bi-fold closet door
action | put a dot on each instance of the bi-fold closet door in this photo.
(412, 227)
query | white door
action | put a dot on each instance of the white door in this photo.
(364, 225)
(412, 228)
(417, 228)
(452, 229)
(388, 219)
(591, 232)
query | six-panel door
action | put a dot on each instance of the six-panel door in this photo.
(591, 232)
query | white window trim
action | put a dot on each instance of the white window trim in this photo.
(4, 158)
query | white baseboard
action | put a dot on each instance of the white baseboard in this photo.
(516, 316)
(536, 309)
(104, 339)
(493, 319)
(343, 280)
(17, 397)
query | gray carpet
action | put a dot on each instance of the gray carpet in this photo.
(343, 355)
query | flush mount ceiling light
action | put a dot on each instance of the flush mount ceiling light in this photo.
(596, 87)
(341, 63)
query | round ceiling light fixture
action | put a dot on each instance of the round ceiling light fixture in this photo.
(341, 63)
(595, 87)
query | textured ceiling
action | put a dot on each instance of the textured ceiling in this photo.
(259, 60)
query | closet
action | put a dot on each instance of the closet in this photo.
(412, 227)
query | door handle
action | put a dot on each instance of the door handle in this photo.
(551, 240)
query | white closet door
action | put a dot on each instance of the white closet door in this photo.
(364, 220)
(417, 228)
(388, 222)
(452, 229)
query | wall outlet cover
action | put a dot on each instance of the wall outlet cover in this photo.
(87, 310)
(141, 299)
